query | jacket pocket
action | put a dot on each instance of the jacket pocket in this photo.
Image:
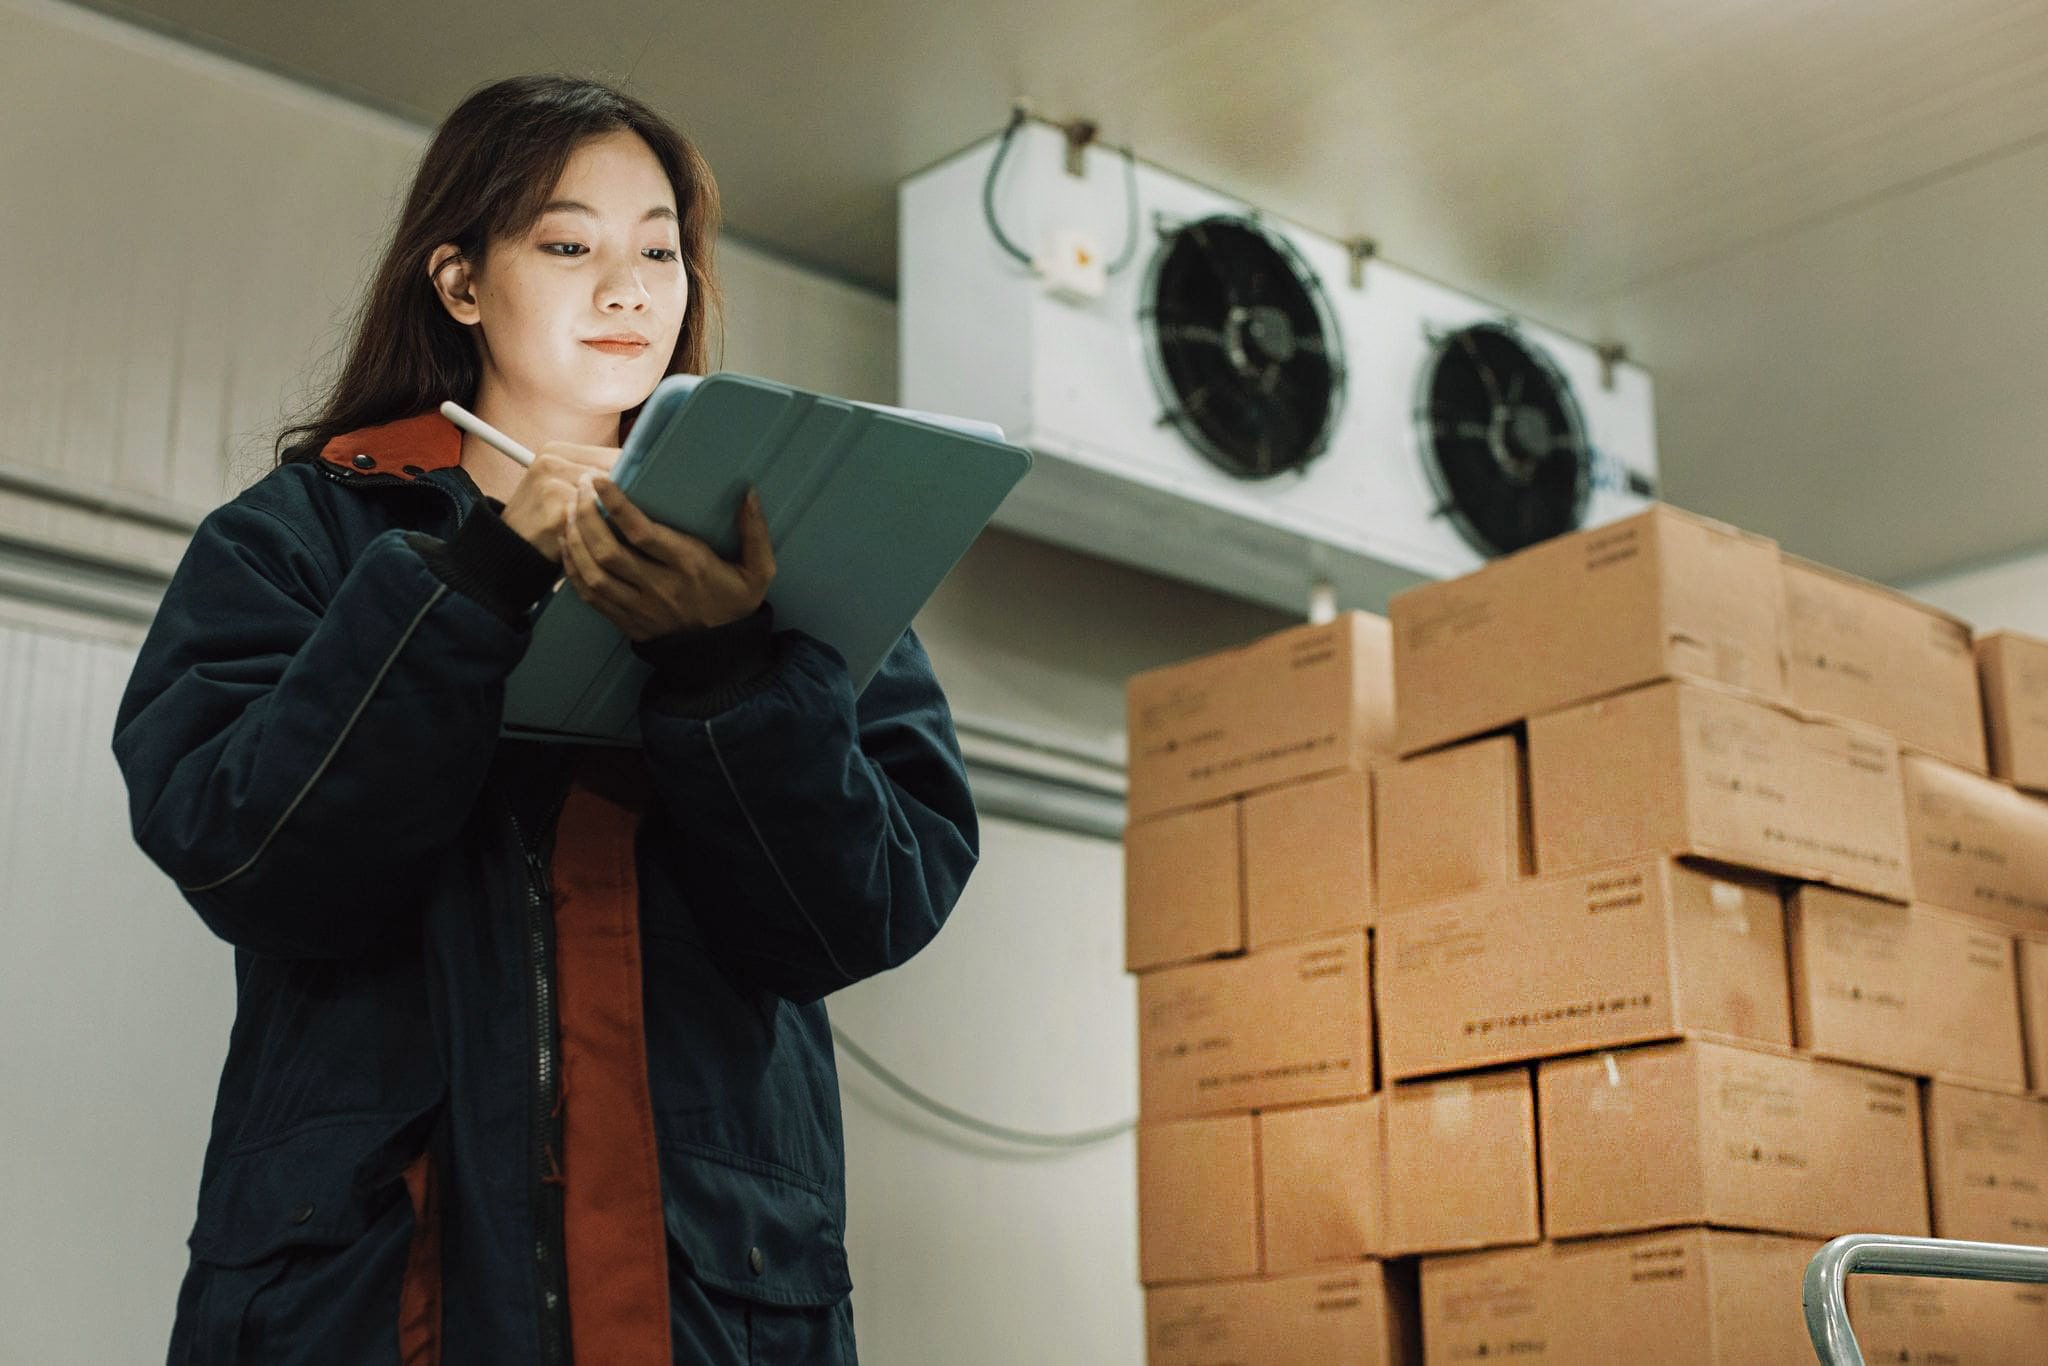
(758, 1268)
(301, 1246)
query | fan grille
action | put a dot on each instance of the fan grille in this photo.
(1503, 440)
(1244, 351)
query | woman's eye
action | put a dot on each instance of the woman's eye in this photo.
(570, 248)
(664, 253)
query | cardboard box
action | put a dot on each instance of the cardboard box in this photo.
(1308, 859)
(2033, 950)
(1684, 769)
(1321, 1185)
(1198, 1200)
(1182, 895)
(1640, 950)
(1302, 702)
(1365, 1315)
(1947, 1323)
(1680, 1297)
(1662, 594)
(1282, 1026)
(2013, 672)
(1987, 1165)
(1742, 1137)
(1283, 1191)
(1862, 651)
(1461, 1163)
(1976, 845)
(1906, 987)
(1452, 821)
(1706, 1297)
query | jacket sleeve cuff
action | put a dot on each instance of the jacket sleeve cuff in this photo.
(490, 562)
(701, 673)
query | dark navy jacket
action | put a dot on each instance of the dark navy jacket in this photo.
(310, 741)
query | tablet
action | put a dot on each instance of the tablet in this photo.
(869, 508)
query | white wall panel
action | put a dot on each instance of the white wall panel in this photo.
(971, 1250)
(2010, 595)
(792, 325)
(115, 1004)
(184, 233)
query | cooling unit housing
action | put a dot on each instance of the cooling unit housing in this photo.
(1232, 409)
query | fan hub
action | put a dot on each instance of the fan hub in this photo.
(1257, 337)
(1521, 440)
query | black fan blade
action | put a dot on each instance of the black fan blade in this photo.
(1191, 334)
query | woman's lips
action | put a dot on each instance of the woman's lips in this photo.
(618, 348)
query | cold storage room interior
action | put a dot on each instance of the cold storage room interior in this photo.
(1392, 704)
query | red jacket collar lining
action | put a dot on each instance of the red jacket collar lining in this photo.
(410, 446)
(407, 448)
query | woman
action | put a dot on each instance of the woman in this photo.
(529, 1061)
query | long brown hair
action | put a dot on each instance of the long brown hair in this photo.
(491, 166)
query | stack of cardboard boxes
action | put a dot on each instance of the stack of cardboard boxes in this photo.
(1260, 1136)
(1686, 925)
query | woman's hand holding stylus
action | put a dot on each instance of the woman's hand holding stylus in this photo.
(540, 507)
(650, 580)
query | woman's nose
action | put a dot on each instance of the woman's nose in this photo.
(621, 287)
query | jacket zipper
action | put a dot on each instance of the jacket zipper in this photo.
(546, 1134)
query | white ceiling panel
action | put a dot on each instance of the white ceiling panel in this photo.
(1721, 184)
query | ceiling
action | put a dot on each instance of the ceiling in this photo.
(1818, 224)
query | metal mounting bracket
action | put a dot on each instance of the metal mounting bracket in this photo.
(1080, 132)
(1361, 250)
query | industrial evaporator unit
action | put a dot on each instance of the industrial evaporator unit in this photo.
(1240, 402)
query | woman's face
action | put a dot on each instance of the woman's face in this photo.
(602, 262)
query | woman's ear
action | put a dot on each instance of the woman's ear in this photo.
(449, 269)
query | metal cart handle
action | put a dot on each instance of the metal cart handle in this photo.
(1827, 1308)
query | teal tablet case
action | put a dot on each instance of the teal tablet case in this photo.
(869, 509)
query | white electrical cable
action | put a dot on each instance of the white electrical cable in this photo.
(1084, 1138)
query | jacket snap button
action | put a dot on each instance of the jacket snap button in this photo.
(302, 1214)
(754, 1260)
(364, 462)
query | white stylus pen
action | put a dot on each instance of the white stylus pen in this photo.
(470, 422)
